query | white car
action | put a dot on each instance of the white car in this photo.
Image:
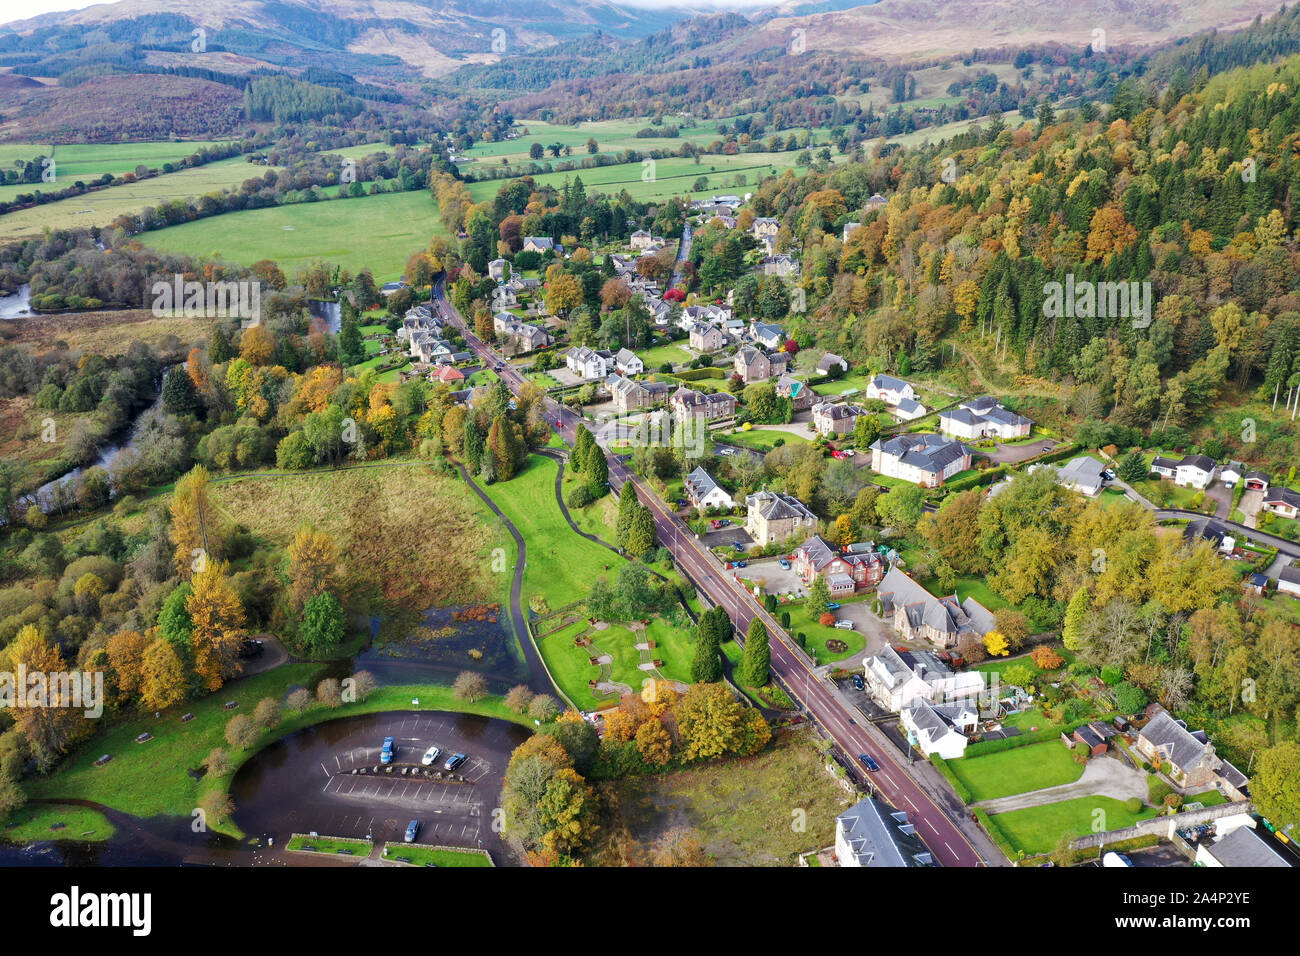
(430, 756)
(844, 625)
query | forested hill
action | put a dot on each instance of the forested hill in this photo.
(1198, 199)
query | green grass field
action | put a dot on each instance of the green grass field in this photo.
(381, 232)
(817, 634)
(1039, 829)
(87, 161)
(102, 207)
(571, 667)
(1019, 770)
(417, 855)
(43, 821)
(561, 563)
(760, 439)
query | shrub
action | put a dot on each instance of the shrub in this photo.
(579, 497)
(1129, 699)
(469, 686)
(543, 708)
(1133, 804)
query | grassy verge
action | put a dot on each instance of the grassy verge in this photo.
(343, 846)
(415, 854)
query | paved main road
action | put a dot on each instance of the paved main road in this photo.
(941, 834)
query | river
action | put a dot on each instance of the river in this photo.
(18, 305)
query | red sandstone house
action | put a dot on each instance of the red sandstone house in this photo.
(845, 573)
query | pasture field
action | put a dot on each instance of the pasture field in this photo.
(86, 161)
(102, 207)
(381, 232)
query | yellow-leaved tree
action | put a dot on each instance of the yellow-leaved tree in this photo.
(218, 618)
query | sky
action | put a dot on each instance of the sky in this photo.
(24, 9)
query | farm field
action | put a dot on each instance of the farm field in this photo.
(101, 208)
(672, 177)
(86, 161)
(381, 232)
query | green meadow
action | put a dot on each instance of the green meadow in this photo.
(381, 232)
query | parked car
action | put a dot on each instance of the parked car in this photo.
(844, 625)
(836, 453)
(386, 751)
(832, 606)
(1108, 474)
(724, 522)
(858, 683)
(454, 761)
(726, 451)
(431, 756)
(738, 546)
(849, 453)
(868, 762)
(412, 831)
(785, 565)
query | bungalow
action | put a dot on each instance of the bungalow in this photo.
(908, 410)
(835, 418)
(845, 574)
(449, 375)
(1195, 471)
(1288, 581)
(704, 492)
(588, 363)
(800, 395)
(782, 265)
(775, 516)
(767, 335)
(941, 729)
(706, 338)
(889, 390)
(1282, 501)
(754, 365)
(1231, 473)
(919, 615)
(1258, 583)
(1190, 756)
(541, 244)
(923, 458)
(1164, 467)
(984, 418)
(870, 833)
(1082, 474)
(628, 362)
(896, 679)
(829, 361)
(689, 404)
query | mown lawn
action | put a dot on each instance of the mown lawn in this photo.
(571, 667)
(561, 563)
(817, 634)
(38, 821)
(1046, 764)
(1039, 829)
(761, 439)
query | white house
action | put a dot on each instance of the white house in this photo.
(1282, 502)
(1082, 474)
(1164, 467)
(890, 390)
(1195, 471)
(983, 418)
(497, 270)
(849, 229)
(896, 680)
(909, 410)
(1231, 473)
(628, 362)
(940, 728)
(704, 492)
(1288, 581)
(770, 336)
(588, 363)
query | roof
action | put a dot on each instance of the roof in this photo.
(1181, 748)
(1280, 495)
(1203, 462)
(1161, 462)
(701, 483)
(818, 551)
(775, 506)
(1290, 575)
(910, 405)
(837, 411)
(924, 450)
(888, 382)
(1245, 847)
(879, 836)
(829, 359)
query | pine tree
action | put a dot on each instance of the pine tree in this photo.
(627, 509)
(583, 442)
(1075, 614)
(352, 351)
(597, 473)
(756, 668)
(475, 441)
(641, 536)
(819, 595)
(706, 666)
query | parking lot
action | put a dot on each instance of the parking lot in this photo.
(329, 779)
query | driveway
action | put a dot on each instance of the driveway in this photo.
(1221, 495)
(1103, 776)
(1010, 454)
(1251, 502)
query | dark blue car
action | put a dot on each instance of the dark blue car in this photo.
(868, 762)
(386, 752)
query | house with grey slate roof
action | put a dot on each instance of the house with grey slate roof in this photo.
(923, 458)
(871, 834)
